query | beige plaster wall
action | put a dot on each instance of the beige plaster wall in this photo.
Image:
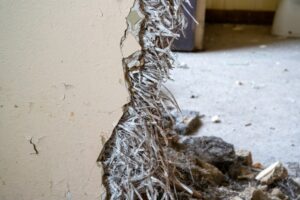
(62, 87)
(262, 5)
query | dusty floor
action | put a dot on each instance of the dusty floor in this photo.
(252, 81)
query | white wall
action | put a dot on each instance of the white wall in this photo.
(61, 85)
(262, 5)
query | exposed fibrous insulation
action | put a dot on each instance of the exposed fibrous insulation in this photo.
(134, 164)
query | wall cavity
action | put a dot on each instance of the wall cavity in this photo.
(133, 160)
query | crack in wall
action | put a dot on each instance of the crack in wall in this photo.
(34, 147)
(133, 160)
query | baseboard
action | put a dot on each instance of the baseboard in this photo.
(239, 16)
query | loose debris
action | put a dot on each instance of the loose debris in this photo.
(183, 65)
(294, 169)
(212, 166)
(258, 165)
(216, 170)
(216, 119)
(210, 149)
(297, 180)
(239, 83)
(273, 173)
(194, 96)
(276, 192)
(186, 122)
(244, 157)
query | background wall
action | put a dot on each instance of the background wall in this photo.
(61, 90)
(258, 5)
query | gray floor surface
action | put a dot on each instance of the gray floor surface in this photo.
(251, 80)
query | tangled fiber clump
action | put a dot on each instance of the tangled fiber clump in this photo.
(133, 160)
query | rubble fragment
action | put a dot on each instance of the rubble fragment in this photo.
(216, 119)
(276, 192)
(273, 173)
(258, 165)
(211, 149)
(187, 122)
(294, 169)
(258, 194)
(193, 170)
(211, 173)
(210, 167)
(252, 193)
(297, 181)
(289, 187)
(239, 83)
(244, 156)
(237, 198)
(183, 65)
(245, 173)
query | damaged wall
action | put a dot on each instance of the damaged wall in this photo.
(61, 89)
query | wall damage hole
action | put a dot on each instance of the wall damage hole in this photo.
(133, 159)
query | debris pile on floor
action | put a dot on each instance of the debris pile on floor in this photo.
(213, 168)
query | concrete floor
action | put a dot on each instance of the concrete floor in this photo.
(252, 81)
